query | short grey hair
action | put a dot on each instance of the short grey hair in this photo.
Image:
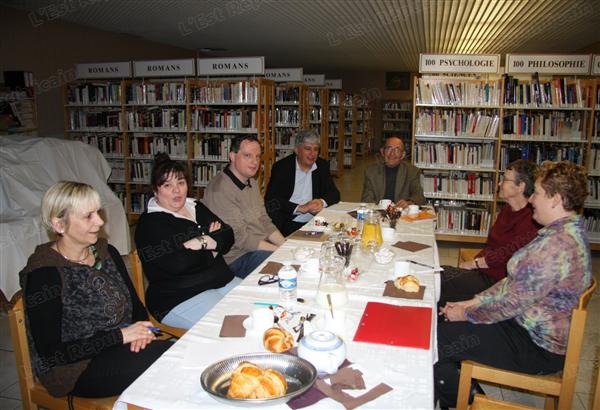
(307, 137)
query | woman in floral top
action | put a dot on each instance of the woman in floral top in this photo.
(522, 322)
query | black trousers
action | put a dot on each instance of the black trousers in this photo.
(505, 345)
(113, 370)
(462, 284)
(290, 227)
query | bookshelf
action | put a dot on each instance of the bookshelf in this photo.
(291, 114)
(317, 116)
(397, 120)
(468, 128)
(336, 112)
(18, 113)
(350, 127)
(192, 120)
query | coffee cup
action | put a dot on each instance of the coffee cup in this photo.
(387, 233)
(384, 203)
(262, 319)
(401, 268)
(413, 209)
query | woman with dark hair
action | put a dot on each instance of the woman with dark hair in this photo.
(87, 329)
(514, 227)
(181, 245)
(522, 322)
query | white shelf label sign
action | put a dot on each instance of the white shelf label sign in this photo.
(164, 68)
(104, 70)
(548, 63)
(280, 75)
(459, 63)
(314, 79)
(231, 66)
(596, 65)
(333, 84)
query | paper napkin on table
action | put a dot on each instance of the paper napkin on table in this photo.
(233, 326)
(411, 246)
(393, 292)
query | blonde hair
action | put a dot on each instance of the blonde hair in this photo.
(64, 197)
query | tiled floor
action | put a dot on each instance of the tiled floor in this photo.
(350, 185)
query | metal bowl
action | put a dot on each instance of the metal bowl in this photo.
(299, 374)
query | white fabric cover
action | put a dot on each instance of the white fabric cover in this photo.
(28, 167)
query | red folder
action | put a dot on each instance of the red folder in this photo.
(405, 326)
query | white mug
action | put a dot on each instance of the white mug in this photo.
(387, 233)
(262, 319)
(413, 209)
(401, 268)
(384, 203)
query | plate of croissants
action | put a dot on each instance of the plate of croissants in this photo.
(258, 378)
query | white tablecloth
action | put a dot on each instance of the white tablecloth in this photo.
(173, 382)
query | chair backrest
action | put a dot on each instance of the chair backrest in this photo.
(574, 343)
(18, 331)
(137, 275)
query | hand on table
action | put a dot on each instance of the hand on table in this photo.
(403, 203)
(455, 311)
(138, 335)
(314, 207)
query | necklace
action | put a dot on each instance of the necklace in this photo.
(81, 261)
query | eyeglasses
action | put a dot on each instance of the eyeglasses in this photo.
(502, 179)
(268, 279)
(395, 150)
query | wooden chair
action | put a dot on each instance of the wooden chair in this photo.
(556, 387)
(137, 277)
(32, 392)
(482, 402)
(596, 400)
(467, 254)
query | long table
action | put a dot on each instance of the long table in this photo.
(173, 381)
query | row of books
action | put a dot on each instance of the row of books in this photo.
(396, 126)
(157, 118)
(397, 115)
(593, 189)
(591, 221)
(555, 92)
(285, 136)
(458, 123)
(139, 201)
(332, 144)
(594, 161)
(108, 144)
(395, 105)
(348, 100)
(461, 154)
(241, 92)
(215, 148)
(458, 92)
(559, 124)
(348, 115)
(540, 152)
(140, 171)
(223, 119)
(94, 93)
(287, 116)
(203, 173)
(596, 127)
(95, 119)
(334, 97)
(458, 183)
(315, 114)
(333, 115)
(153, 93)
(287, 95)
(314, 97)
(333, 130)
(148, 146)
(466, 218)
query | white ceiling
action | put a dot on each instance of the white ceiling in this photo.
(339, 35)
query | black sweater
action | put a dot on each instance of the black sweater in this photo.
(175, 274)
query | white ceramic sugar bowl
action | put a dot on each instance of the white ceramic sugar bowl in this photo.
(325, 350)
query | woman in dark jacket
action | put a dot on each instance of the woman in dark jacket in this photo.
(181, 245)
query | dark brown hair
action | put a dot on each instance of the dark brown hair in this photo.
(165, 166)
(568, 180)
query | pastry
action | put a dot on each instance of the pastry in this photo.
(249, 381)
(278, 340)
(407, 283)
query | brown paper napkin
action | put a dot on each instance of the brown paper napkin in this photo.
(309, 236)
(347, 378)
(393, 292)
(411, 246)
(272, 268)
(233, 326)
(347, 400)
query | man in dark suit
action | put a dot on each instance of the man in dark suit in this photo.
(395, 179)
(300, 185)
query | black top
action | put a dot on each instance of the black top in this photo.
(390, 182)
(175, 274)
(281, 187)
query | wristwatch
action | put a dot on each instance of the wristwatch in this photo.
(203, 242)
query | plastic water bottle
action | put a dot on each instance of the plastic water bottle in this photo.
(360, 217)
(288, 284)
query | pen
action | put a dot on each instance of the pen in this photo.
(266, 304)
(151, 328)
(421, 264)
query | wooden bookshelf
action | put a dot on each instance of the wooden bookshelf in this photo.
(318, 115)
(335, 121)
(349, 129)
(291, 114)
(397, 118)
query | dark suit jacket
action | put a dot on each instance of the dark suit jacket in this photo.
(281, 187)
(408, 184)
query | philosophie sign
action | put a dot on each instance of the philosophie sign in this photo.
(280, 75)
(120, 69)
(317, 80)
(459, 63)
(596, 64)
(231, 66)
(164, 68)
(548, 63)
(333, 84)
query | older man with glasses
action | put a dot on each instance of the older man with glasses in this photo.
(395, 179)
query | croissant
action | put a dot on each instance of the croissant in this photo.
(407, 283)
(249, 381)
(278, 340)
